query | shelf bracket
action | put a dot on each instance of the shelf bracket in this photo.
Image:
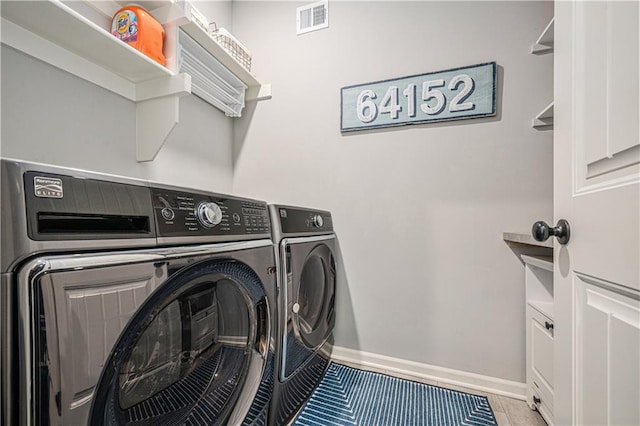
(258, 93)
(544, 120)
(544, 44)
(158, 112)
(179, 85)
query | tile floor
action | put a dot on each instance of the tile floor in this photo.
(508, 411)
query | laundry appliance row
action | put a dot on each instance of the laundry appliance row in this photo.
(128, 302)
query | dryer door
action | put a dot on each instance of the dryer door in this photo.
(311, 285)
(192, 354)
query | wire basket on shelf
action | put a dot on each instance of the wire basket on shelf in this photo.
(232, 46)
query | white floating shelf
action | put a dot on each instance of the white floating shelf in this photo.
(57, 34)
(255, 91)
(544, 120)
(544, 44)
(54, 21)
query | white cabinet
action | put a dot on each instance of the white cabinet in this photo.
(539, 333)
(75, 37)
(540, 363)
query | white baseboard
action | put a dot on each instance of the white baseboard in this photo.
(408, 369)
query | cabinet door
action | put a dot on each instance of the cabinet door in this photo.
(607, 357)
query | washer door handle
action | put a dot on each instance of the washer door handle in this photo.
(262, 334)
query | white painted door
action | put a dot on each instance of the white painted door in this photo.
(597, 189)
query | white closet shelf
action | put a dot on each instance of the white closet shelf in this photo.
(544, 120)
(545, 308)
(543, 262)
(544, 44)
(55, 22)
(255, 89)
(53, 32)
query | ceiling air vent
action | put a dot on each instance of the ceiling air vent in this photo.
(312, 17)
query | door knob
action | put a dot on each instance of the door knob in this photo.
(541, 231)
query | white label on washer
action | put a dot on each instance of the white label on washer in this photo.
(283, 213)
(46, 187)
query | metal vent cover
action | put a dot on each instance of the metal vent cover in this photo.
(311, 17)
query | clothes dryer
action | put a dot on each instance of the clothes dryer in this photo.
(125, 302)
(305, 246)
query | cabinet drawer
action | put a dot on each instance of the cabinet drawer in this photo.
(540, 352)
(544, 406)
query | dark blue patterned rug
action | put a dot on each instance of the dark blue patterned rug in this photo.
(348, 396)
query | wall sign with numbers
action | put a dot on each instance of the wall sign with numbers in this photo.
(461, 93)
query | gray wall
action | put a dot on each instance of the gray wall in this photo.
(419, 210)
(53, 117)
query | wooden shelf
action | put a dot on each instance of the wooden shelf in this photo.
(524, 238)
(544, 44)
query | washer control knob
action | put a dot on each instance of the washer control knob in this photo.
(209, 214)
(317, 221)
(296, 308)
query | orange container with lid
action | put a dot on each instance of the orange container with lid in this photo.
(136, 27)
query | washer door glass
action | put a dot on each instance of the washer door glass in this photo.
(185, 355)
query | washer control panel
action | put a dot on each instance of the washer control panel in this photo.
(198, 214)
(209, 214)
(296, 220)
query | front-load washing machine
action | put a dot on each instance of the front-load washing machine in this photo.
(306, 256)
(124, 302)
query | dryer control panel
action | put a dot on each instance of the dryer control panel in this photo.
(183, 214)
(298, 220)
